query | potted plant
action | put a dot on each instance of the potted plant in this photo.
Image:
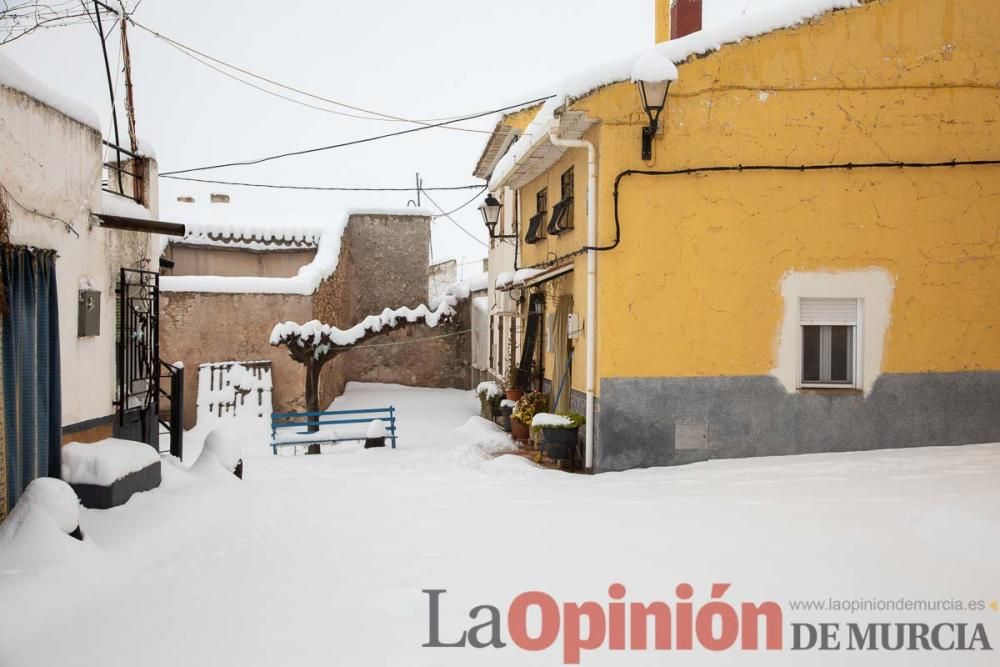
(525, 411)
(490, 396)
(559, 433)
(512, 382)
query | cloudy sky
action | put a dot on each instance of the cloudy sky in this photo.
(416, 60)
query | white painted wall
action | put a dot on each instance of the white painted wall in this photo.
(52, 164)
(873, 286)
(501, 261)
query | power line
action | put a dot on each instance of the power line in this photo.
(482, 189)
(323, 188)
(354, 142)
(272, 93)
(452, 220)
(372, 115)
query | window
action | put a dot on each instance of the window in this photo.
(562, 213)
(830, 342)
(535, 230)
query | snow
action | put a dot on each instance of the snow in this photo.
(315, 332)
(511, 278)
(507, 403)
(105, 462)
(543, 419)
(659, 63)
(123, 207)
(490, 389)
(226, 446)
(316, 560)
(376, 429)
(52, 496)
(305, 282)
(232, 222)
(14, 76)
(146, 148)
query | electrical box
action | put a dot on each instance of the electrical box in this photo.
(575, 327)
(89, 313)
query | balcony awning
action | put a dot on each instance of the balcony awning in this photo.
(532, 277)
(139, 225)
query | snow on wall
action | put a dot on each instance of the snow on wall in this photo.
(235, 394)
(123, 207)
(660, 64)
(14, 76)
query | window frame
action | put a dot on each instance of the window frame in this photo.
(562, 213)
(857, 375)
(536, 224)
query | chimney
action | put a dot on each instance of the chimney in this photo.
(662, 20)
(685, 17)
(220, 199)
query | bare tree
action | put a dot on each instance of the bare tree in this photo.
(315, 344)
(18, 19)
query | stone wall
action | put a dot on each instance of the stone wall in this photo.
(198, 328)
(201, 260)
(383, 264)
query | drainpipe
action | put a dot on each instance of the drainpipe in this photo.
(591, 325)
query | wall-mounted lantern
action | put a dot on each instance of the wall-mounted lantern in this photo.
(654, 99)
(490, 208)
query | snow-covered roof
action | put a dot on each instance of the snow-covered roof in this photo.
(658, 63)
(496, 147)
(245, 226)
(326, 237)
(17, 78)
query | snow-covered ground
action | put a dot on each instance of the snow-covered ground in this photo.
(321, 560)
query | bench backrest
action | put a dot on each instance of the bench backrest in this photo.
(281, 420)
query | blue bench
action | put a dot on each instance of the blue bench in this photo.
(304, 420)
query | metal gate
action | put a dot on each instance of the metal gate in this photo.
(138, 342)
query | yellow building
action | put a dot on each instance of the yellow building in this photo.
(808, 261)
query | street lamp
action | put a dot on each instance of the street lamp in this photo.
(490, 208)
(654, 98)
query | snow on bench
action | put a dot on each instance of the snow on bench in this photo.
(332, 428)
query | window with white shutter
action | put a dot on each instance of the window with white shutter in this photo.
(830, 342)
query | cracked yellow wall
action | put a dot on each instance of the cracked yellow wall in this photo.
(693, 290)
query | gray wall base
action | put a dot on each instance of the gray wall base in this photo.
(647, 422)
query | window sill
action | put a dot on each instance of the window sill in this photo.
(830, 390)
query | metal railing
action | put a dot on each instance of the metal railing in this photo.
(128, 181)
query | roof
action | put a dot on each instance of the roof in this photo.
(13, 76)
(499, 142)
(654, 64)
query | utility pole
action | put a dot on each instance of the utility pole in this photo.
(111, 86)
(129, 104)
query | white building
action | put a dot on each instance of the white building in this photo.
(66, 242)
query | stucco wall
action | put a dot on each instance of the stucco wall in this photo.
(692, 299)
(201, 260)
(52, 164)
(199, 328)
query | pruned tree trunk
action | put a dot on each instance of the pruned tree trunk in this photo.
(313, 369)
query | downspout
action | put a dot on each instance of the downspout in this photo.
(591, 323)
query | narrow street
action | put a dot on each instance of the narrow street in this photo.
(313, 557)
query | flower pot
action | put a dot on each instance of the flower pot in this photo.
(518, 430)
(514, 394)
(560, 443)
